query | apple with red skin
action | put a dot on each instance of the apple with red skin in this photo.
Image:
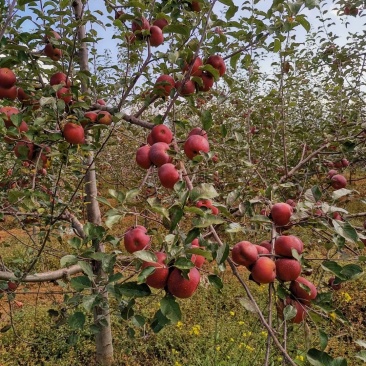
(52, 52)
(24, 147)
(195, 6)
(338, 181)
(196, 71)
(354, 11)
(197, 259)
(345, 163)
(262, 250)
(338, 164)
(11, 137)
(263, 270)
(207, 82)
(161, 23)
(136, 239)
(10, 93)
(164, 85)
(158, 279)
(158, 154)
(7, 78)
(188, 88)
(303, 295)
(300, 310)
(64, 94)
(267, 245)
(331, 173)
(285, 243)
(142, 157)
(73, 133)
(23, 96)
(287, 269)
(181, 287)
(281, 213)
(12, 286)
(194, 145)
(104, 118)
(168, 175)
(138, 25)
(156, 36)
(161, 133)
(337, 216)
(198, 131)
(149, 139)
(218, 63)
(291, 202)
(60, 78)
(334, 286)
(91, 117)
(208, 204)
(51, 35)
(244, 253)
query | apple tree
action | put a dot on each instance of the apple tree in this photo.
(213, 150)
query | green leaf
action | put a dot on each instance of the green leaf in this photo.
(157, 207)
(133, 289)
(175, 213)
(247, 304)
(112, 220)
(319, 358)
(177, 29)
(207, 220)
(170, 309)
(323, 337)
(317, 194)
(192, 234)
(68, 260)
(206, 119)
(159, 322)
(75, 242)
(222, 253)
(261, 219)
(80, 283)
(138, 321)
(76, 320)
(215, 281)
(361, 343)
(145, 256)
(87, 268)
(302, 20)
(276, 45)
(203, 191)
(90, 301)
(183, 263)
(361, 355)
(227, 2)
(346, 230)
(289, 312)
(132, 194)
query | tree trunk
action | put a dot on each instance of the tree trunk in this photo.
(103, 339)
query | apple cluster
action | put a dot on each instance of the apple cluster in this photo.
(155, 152)
(165, 276)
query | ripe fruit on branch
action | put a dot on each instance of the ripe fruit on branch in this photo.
(52, 52)
(244, 253)
(138, 25)
(8, 111)
(24, 150)
(64, 94)
(198, 131)
(218, 63)
(51, 36)
(345, 162)
(104, 118)
(158, 154)
(196, 71)
(142, 157)
(331, 173)
(7, 78)
(338, 181)
(8, 93)
(156, 36)
(23, 96)
(300, 309)
(195, 6)
(261, 249)
(337, 216)
(207, 82)
(188, 88)
(194, 145)
(302, 294)
(73, 133)
(208, 204)
(181, 287)
(264, 270)
(161, 133)
(60, 78)
(168, 175)
(197, 259)
(281, 213)
(149, 139)
(285, 243)
(159, 277)
(333, 284)
(136, 239)
(287, 269)
(11, 136)
(90, 117)
(267, 245)
(164, 85)
(161, 23)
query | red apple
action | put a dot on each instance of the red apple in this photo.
(91, 116)
(287, 269)
(218, 63)
(302, 294)
(179, 286)
(138, 25)
(158, 154)
(285, 243)
(10, 93)
(300, 310)
(161, 133)
(338, 181)
(60, 78)
(331, 173)
(197, 259)
(73, 133)
(161, 23)
(195, 6)
(164, 85)
(207, 82)
(244, 253)
(51, 35)
(196, 71)
(24, 150)
(335, 286)
(136, 239)
(188, 88)
(149, 139)
(156, 36)
(168, 175)
(264, 270)
(158, 279)
(345, 162)
(281, 213)
(267, 245)
(7, 78)
(194, 145)
(198, 131)
(261, 249)
(104, 118)
(64, 94)
(337, 216)
(52, 52)
(11, 137)
(142, 157)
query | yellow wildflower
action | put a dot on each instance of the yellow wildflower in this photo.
(333, 315)
(250, 349)
(300, 358)
(195, 330)
(177, 363)
(241, 322)
(218, 348)
(264, 333)
(346, 296)
(179, 324)
(232, 340)
(232, 313)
